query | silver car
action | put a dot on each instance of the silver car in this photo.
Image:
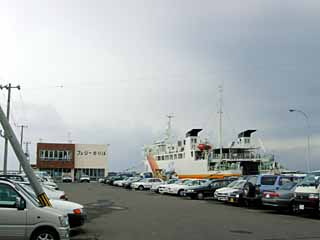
(22, 218)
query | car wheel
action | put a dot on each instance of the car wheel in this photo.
(181, 193)
(248, 190)
(45, 234)
(140, 187)
(200, 196)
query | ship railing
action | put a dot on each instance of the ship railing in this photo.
(245, 156)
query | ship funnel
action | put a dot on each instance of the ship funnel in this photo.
(244, 137)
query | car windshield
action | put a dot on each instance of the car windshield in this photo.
(29, 193)
(239, 184)
(308, 181)
(288, 186)
(232, 184)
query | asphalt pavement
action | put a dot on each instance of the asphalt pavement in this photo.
(118, 214)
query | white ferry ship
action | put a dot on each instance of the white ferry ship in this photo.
(195, 158)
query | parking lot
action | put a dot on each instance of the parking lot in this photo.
(116, 213)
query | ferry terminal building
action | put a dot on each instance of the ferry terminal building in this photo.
(60, 159)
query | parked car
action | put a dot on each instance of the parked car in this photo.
(66, 179)
(180, 188)
(74, 211)
(207, 189)
(119, 183)
(257, 184)
(146, 183)
(222, 194)
(111, 180)
(52, 193)
(155, 188)
(127, 184)
(19, 213)
(282, 199)
(164, 188)
(306, 193)
(84, 178)
(51, 183)
(14, 177)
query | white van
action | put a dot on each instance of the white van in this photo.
(22, 218)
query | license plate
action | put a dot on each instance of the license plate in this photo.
(231, 200)
(268, 196)
(301, 207)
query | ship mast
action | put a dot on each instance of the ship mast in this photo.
(168, 131)
(220, 119)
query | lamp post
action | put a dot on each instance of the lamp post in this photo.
(308, 137)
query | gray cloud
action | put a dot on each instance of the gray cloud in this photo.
(125, 65)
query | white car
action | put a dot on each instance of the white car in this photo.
(67, 178)
(146, 183)
(120, 183)
(222, 194)
(73, 210)
(84, 178)
(163, 188)
(156, 188)
(178, 189)
(51, 193)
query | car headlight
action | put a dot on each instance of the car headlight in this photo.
(295, 195)
(190, 190)
(64, 221)
(237, 196)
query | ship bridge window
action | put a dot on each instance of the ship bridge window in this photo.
(180, 156)
(192, 154)
(167, 157)
(175, 156)
(199, 155)
(162, 157)
(159, 158)
(171, 157)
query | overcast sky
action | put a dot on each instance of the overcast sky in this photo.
(109, 72)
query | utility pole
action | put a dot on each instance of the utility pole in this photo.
(21, 140)
(41, 195)
(27, 150)
(308, 135)
(220, 120)
(5, 158)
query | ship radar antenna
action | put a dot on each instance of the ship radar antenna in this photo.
(168, 132)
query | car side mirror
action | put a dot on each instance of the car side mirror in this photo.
(20, 203)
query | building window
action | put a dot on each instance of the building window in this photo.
(179, 155)
(50, 155)
(60, 155)
(46, 154)
(42, 154)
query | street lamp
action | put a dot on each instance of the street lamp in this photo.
(308, 139)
